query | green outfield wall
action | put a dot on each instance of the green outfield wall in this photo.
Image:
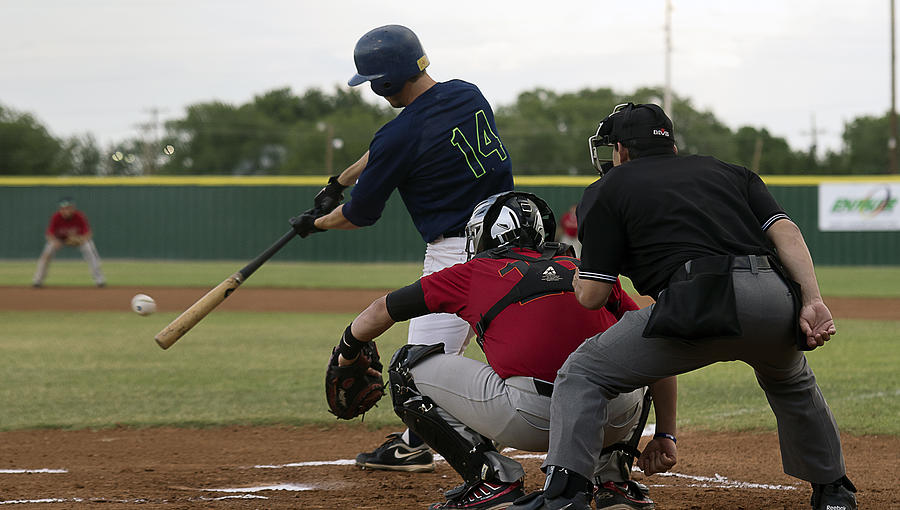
(234, 218)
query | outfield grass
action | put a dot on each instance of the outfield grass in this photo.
(138, 273)
(843, 281)
(101, 369)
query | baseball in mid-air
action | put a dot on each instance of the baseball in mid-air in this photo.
(169, 149)
(143, 304)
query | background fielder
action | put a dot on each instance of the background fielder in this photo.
(68, 227)
(442, 153)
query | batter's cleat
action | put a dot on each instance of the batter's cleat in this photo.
(537, 501)
(622, 496)
(838, 495)
(395, 455)
(484, 496)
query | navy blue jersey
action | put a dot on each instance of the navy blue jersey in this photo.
(442, 153)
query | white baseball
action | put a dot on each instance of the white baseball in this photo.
(143, 304)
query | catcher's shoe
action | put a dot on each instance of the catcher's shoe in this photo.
(838, 495)
(484, 496)
(395, 455)
(622, 496)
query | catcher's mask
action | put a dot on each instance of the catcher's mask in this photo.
(513, 217)
(628, 121)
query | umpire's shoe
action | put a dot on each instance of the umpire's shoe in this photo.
(563, 490)
(837, 495)
(538, 500)
(395, 455)
(622, 496)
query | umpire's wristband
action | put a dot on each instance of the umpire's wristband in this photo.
(657, 435)
(350, 346)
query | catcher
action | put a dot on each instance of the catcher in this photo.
(68, 227)
(527, 322)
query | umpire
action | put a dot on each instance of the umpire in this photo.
(734, 280)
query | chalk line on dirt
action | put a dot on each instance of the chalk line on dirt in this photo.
(30, 471)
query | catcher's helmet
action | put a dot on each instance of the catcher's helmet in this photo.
(515, 218)
(388, 56)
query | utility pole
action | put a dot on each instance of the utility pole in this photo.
(150, 140)
(329, 149)
(667, 93)
(813, 133)
(892, 141)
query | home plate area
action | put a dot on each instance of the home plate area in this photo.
(312, 467)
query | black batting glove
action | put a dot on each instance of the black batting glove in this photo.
(305, 224)
(330, 196)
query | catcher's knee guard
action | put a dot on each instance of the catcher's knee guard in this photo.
(401, 381)
(420, 414)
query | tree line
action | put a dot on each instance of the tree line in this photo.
(282, 133)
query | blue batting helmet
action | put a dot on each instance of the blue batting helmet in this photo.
(388, 56)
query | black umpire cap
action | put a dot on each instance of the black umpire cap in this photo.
(636, 122)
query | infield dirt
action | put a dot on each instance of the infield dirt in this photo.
(169, 468)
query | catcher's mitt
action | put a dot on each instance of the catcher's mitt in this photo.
(356, 388)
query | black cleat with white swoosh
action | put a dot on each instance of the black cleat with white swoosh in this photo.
(395, 455)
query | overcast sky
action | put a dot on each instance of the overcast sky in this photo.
(101, 66)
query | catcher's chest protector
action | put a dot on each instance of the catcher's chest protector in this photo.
(540, 276)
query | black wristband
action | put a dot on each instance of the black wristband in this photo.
(657, 435)
(350, 346)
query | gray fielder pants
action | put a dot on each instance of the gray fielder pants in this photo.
(88, 251)
(621, 359)
(474, 400)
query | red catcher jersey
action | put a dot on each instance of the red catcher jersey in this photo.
(530, 339)
(62, 228)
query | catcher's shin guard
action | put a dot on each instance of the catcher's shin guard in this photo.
(421, 415)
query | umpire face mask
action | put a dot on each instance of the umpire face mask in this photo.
(605, 137)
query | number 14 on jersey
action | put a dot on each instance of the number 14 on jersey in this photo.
(487, 141)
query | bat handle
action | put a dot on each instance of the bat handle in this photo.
(247, 270)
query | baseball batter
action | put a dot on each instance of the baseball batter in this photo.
(442, 153)
(517, 294)
(721, 256)
(68, 227)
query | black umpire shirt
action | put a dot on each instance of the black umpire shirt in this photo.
(648, 216)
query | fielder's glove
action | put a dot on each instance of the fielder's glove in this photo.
(354, 389)
(330, 196)
(305, 224)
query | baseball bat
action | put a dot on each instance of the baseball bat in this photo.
(197, 311)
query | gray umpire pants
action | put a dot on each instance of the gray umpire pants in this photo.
(473, 399)
(621, 359)
(88, 251)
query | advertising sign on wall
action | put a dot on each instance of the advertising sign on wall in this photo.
(845, 207)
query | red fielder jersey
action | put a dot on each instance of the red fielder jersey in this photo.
(530, 339)
(61, 228)
(569, 223)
